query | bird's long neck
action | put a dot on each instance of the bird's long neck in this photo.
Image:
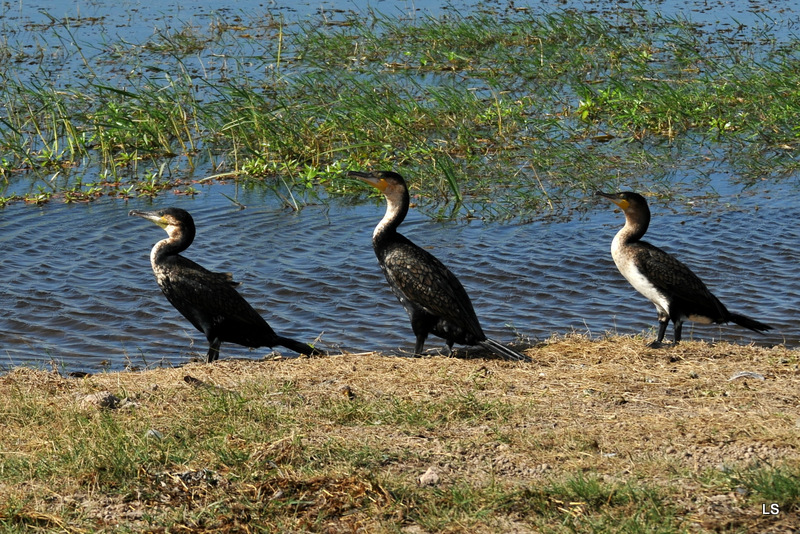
(635, 227)
(177, 242)
(396, 210)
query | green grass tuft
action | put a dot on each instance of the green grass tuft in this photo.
(512, 116)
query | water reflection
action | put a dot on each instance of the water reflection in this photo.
(78, 288)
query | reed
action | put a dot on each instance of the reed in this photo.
(489, 115)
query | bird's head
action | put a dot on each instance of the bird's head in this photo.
(175, 221)
(626, 200)
(389, 183)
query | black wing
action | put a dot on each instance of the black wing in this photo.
(210, 301)
(424, 281)
(684, 288)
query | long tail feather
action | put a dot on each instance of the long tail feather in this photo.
(501, 350)
(297, 346)
(747, 322)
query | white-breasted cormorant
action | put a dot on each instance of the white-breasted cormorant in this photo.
(677, 293)
(435, 300)
(207, 299)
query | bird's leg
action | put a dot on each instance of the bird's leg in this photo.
(213, 350)
(678, 327)
(420, 343)
(662, 330)
(450, 348)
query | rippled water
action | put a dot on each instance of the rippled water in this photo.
(96, 25)
(78, 288)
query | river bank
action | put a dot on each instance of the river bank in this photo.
(594, 435)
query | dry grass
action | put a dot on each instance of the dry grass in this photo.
(592, 432)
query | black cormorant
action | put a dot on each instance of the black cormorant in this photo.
(206, 298)
(676, 291)
(435, 300)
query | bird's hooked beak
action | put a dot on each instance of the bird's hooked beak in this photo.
(153, 216)
(615, 198)
(369, 178)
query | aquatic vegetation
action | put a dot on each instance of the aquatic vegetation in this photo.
(490, 114)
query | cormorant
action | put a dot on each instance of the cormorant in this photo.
(435, 300)
(676, 291)
(206, 298)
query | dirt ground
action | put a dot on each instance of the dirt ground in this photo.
(671, 417)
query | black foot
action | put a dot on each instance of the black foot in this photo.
(661, 345)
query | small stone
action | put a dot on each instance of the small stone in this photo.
(101, 399)
(154, 434)
(429, 478)
(746, 374)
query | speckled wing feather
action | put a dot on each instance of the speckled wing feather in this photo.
(422, 279)
(205, 296)
(688, 293)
